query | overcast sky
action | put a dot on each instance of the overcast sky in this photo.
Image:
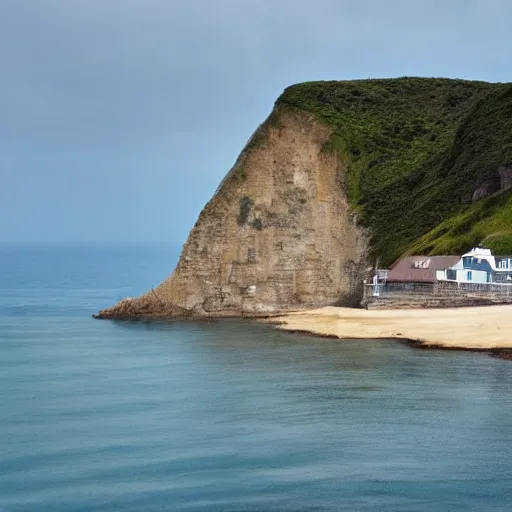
(118, 118)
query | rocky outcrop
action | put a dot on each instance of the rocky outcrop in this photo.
(278, 235)
(499, 181)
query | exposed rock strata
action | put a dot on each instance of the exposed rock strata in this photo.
(278, 235)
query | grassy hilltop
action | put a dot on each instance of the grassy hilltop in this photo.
(415, 150)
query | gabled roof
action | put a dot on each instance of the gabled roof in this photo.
(485, 254)
(419, 269)
(478, 252)
(482, 254)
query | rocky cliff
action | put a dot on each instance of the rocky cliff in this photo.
(278, 234)
(342, 174)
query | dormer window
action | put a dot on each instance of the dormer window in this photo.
(421, 263)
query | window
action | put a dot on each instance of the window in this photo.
(470, 275)
(421, 264)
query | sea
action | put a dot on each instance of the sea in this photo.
(230, 416)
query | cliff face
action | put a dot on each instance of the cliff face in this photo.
(424, 165)
(278, 234)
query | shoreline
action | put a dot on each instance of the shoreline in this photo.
(475, 329)
(501, 353)
(472, 329)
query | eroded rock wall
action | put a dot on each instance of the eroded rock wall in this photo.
(499, 181)
(278, 235)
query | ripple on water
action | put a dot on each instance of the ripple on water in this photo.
(235, 416)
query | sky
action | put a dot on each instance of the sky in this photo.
(119, 118)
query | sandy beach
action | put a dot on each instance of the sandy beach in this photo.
(474, 328)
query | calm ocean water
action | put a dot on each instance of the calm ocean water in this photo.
(230, 416)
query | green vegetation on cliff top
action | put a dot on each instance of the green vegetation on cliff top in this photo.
(415, 150)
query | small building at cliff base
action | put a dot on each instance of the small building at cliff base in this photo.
(478, 266)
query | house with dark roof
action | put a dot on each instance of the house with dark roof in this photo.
(419, 269)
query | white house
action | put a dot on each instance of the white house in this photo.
(479, 266)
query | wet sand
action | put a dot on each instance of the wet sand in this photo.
(472, 328)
